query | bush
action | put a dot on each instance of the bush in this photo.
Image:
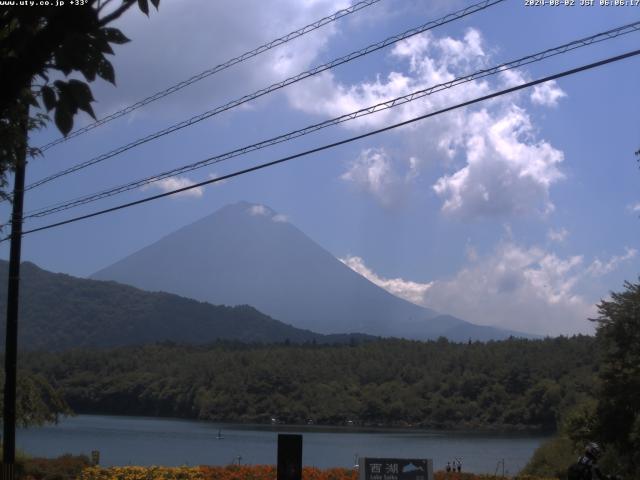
(66, 467)
(552, 458)
(246, 472)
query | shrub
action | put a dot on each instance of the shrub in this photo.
(66, 467)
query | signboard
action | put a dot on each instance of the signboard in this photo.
(395, 469)
(289, 457)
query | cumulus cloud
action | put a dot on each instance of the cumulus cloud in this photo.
(161, 55)
(527, 289)
(470, 252)
(512, 77)
(214, 175)
(599, 267)
(174, 183)
(373, 171)
(259, 210)
(547, 94)
(412, 291)
(431, 60)
(559, 235)
(523, 288)
(635, 207)
(507, 170)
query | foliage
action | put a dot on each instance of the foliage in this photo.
(617, 420)
(65, 467)
(513, 384)
(37, 401)
(254, 472)
(552, 458)
(40, 42)
(579, 425)
(58, 311)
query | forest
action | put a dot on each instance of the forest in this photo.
(59, 312)
(519, 384)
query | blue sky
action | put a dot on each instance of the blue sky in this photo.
(521, 212)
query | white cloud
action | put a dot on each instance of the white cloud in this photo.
(508, 170)
(470, 252)
(373, 171)
(160, 54)
(635, 207)
(431, 61)
(412, 291)
(259, 210)
(512, 77)
(214, 175)
(527, 289)
(599, 268)
(280, 218)
(174, 183)
(558, 236)
(547, 94)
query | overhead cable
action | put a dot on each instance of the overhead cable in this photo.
(536, 57)
(276, 86)
(218, 68)
(336, 144)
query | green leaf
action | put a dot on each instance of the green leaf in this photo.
(113, 35)
(82, 95)
(144, 6)
(80, 91)
(102, 44)
(62, 61)
(63, 119)
(48, 97)
(66, 100)
(90, 67)
(105, 70)
(88, 109)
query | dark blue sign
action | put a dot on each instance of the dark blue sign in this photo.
(395, 469)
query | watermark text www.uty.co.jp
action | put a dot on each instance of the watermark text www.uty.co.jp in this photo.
(43, 3)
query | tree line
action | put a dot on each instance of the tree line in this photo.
(439, 384)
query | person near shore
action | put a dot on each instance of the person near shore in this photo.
(586, 468)
(448, 467)
(459, 465)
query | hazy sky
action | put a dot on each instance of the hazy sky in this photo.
(521, 212)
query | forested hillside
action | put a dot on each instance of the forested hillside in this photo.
(515, 383)
(59, 311)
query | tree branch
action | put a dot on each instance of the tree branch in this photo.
(126, 5)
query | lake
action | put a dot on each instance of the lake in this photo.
(170, 442)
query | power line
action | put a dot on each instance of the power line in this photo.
(276, 86)
(536, 57)
(218, 68)
(341, 142)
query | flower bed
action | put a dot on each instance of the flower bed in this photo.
(254, 472)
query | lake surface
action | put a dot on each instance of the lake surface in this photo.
(153, 441)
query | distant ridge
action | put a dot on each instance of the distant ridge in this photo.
(58, 312)
(248, 254)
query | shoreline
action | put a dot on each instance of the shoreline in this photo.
(334, 428)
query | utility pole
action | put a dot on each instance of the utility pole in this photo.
(11, 340)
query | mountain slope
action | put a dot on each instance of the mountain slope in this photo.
(59, 311)
(246, 254)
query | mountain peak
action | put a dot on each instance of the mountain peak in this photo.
(241, 254)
